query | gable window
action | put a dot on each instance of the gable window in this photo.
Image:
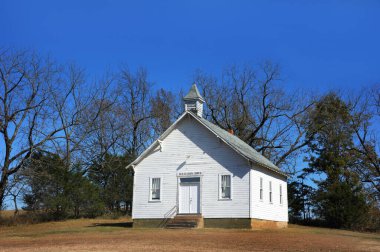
(225, 186)
(261, 188)
(155, 189)
(280, 194)
(270, 191)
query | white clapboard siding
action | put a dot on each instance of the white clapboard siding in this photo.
(263, 209)
(190, 147)
(199, 108)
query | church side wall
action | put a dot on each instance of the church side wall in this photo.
(263, 209)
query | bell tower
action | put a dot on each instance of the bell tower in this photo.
(194, 101)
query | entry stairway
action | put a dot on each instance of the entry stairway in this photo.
(184, 221)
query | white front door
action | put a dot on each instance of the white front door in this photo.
(189, 198)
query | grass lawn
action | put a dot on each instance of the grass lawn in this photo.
(116, 235)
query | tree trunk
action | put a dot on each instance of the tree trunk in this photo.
(15, 203)
(3, 185)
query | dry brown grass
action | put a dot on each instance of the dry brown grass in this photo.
(114, 235)
(9, 213)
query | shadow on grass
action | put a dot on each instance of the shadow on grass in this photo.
(113, 224)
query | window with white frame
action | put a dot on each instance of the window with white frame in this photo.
(280, 194)
(270, 191)
(261, 188)
(225, 186)
(155, 189)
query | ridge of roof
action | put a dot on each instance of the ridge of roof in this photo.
(193, 94)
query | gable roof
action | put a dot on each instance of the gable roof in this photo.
(231, 140)
(193, 94)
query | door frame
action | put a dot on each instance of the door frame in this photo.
(200, 190)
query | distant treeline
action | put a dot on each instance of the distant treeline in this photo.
(66, 139)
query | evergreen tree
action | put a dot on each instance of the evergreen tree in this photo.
(340, 199)
(59, 191)
(115, 182)
(300, 197)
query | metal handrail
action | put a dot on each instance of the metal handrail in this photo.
(170, 214)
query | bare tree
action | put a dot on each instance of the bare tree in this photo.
(16, 188)
(83, 112)
(365, 109)
(104, 127)
(375, 97)
(253, 104)
(134, 109)
(163, 110)
(29, 112)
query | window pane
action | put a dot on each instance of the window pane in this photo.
(228, 180)
(227, 193)
(270, 191)
(156, 194)
(226, 186)
(156, 183)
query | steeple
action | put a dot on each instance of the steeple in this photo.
(194, 101)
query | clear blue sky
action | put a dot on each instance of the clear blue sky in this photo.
(319, 44)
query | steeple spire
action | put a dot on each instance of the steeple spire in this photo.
(194, 101)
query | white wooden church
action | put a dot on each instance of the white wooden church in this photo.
(197, 174)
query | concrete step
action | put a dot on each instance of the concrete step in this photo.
(171, 227)
(181, 225)
(188, 216)
(184, 221)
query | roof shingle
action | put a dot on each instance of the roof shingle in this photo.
(239, 145)
(193, 94)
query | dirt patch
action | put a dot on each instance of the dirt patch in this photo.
(114, 235)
